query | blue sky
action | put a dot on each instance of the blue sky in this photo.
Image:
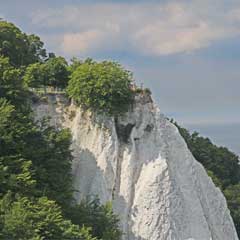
(187, 52)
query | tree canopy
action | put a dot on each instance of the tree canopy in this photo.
(39, 219)
(104, 87)
(53, 72)
(22, 49)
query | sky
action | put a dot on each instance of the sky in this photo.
(186, 52)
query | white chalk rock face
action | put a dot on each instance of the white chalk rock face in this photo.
(142, 164)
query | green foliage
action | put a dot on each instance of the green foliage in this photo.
(222, 166)
(35, 159)
(138, 90)
(75, 63)
(36, 75)
(6, 110)
(232, 194)
(54, 73)
(42, 219)
(22, 49)
(104, 87)
(36, 52)
(52, 160)
(216, 180)
(16, 174)
(58, 72)
(11, 83)
(148, 91)
(46, 147)
(100, 218)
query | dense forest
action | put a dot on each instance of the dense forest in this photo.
(35, 158)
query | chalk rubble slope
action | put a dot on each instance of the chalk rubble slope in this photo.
(142, 164)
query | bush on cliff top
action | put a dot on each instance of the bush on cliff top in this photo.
(103, 87)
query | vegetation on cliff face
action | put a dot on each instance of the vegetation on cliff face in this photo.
(222, 166)
(35, 159)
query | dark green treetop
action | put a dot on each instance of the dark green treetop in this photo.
(103, 87)
(54, 73)
(22, 49)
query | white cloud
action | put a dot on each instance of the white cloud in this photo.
(149, 29)
(83, 41)
(91, 40)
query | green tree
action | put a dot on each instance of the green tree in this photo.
(232, 194)
(36, 52)
(37, 220)
(75, 63)
(53, 73)
(36, 75)
(104, 87)
(52, 161)
(100, 218)
(6, 110)
(16, 174)
(48, 151)
(57, 69)
(11, 83)
(19, 47)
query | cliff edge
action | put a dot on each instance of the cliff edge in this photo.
(141, 163)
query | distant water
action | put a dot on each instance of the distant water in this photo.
(222, 135)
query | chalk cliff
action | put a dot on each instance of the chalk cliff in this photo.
(142, 164)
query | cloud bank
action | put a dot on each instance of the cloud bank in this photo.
(153, 29)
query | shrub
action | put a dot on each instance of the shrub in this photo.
(103, 87)
(41, 219)
(147, 91)
(53, 73)
(104, 224)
